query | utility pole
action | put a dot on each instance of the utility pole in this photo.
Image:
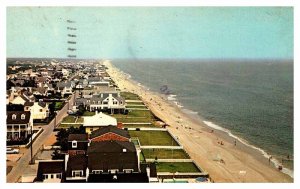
(31, 143)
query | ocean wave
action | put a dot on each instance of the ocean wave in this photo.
(190, 112)
(171, 97)
(264, 153)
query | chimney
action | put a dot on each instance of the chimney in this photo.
(87, 173)
(66, 161)
(138, 151)
(148, 172)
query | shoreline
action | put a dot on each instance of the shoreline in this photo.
(242, 163)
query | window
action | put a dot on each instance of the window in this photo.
(45, 176)
(23, 116)
(97, 171)
(14, 116)
(52, 176)
(58, 176)
(115, 102)
(77, 173)
(105, 102)
(74, 144)
(41, 110)
(128, 170)
(113, 171)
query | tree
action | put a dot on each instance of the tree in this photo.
(81, 110)
(63, 134)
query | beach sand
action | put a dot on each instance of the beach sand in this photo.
(240, 163)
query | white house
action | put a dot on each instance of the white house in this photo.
(39, 110)
(98, 120)
(19, 125)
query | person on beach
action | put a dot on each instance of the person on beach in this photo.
(234, 142)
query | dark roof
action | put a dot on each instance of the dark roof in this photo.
(111, 146)
(27, 103)
(109, 155)
(18, 119)
(76, 162)
(78, 137)
(42, 104)
(108, 129)
(49, 167)
(120, 178)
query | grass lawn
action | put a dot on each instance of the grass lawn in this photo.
(66, 126)
(87, 113)
(153, 138)
(69, 119)
(142, 107)
(134, 103)
(138, 125)
(165, 154)
(134, 116)
(79, 120)
(134, 120)
(130, 96)
(183, 167)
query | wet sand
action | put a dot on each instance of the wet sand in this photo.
(224, 162)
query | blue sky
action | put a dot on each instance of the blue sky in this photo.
(143, 32)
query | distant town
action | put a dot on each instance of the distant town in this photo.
(68, 121)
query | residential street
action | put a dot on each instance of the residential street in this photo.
(23, 162)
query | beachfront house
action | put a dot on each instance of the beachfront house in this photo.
(50, 171)
(77, 144)
(109, 133)
(92, 123)
(102, 98)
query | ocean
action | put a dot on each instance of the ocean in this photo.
(252, 100)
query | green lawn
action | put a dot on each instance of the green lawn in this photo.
(153, 138)
(138, 125)
(87, 113)
(66, 126)
(143, 107)
(135, 120)
(165, 154)
(129, 96)
(183, 167)
(80, 120)
(134, 103)
(69, 119)
(135, 116)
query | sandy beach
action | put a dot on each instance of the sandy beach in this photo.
(240, 163)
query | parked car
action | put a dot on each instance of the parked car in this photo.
(71, 112)
(12, 151)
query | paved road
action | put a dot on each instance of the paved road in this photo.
(23, 162)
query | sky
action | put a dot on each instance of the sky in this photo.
(152, 32)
